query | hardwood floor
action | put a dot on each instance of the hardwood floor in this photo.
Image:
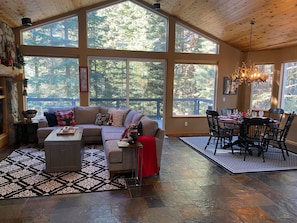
(190, 188)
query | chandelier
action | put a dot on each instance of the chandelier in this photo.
(248, 72)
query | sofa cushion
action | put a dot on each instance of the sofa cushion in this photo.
(45, 131)
(51, 118)
(111, 132)
(91, 129)
(85, 114)
(149, 126)
(126, 111)
(136, 118)
(103, 110)
(102, 119)
(110, 128)
(66, 118)
(55, 109)
(111, 136)
(113, 152)
(129, 117)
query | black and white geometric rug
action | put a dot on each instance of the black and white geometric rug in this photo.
(22, 175)
(234, 163)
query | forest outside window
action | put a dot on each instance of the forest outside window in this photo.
(194, 89)
(63, 33)
(127, 26)
(52, 82)
(188, 41)
(289, 89)
(138, 84)
(261, 92)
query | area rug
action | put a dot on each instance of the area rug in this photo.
(22, 175)
(234, 162)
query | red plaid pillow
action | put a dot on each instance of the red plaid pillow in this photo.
(65, 118)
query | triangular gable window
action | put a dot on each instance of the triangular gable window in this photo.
(127, 26)
(187, 41)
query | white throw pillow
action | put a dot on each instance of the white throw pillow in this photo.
(117, 116)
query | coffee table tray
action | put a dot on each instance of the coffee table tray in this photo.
(71, 131)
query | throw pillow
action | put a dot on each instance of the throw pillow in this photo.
(110, 112)
(136, 118)
(102, 119)
(65, 118)
(117, 116)
(51, 119)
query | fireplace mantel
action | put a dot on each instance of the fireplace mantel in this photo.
(6, 71)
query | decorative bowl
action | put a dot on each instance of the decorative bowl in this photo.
(29, 114)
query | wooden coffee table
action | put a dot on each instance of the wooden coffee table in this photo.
(63, 152)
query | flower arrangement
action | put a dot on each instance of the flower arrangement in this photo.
(131, 133)
(133, 126)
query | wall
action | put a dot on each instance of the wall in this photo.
(277, 57)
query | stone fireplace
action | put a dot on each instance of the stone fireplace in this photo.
(9, 108)
(11, 85)
(13, 115)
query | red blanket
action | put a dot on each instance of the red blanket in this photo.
(149, 161)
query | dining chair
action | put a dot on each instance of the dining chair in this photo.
(276, 113)
(276, 137)
(218, 132)
(226, 112)
(251, 135)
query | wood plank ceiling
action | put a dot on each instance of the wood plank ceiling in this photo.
(227, 20)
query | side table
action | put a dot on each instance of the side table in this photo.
(135, 180)
(26, 133)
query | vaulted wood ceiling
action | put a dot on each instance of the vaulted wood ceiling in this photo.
(227, 20)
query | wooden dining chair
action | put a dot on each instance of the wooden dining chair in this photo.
(276, 137)
(218, 132)
(251, 135)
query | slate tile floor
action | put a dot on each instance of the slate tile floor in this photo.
(190, 188)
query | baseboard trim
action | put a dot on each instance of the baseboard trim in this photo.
(179, 134)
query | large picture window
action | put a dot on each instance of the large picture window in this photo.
(127, 26)
(126, 82)
(194, 89)
(51, 82)
(289, 87)
(261, 92)
(61, 33)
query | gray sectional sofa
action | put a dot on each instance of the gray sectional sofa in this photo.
(118, 159)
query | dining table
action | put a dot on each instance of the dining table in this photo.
(238, 120)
